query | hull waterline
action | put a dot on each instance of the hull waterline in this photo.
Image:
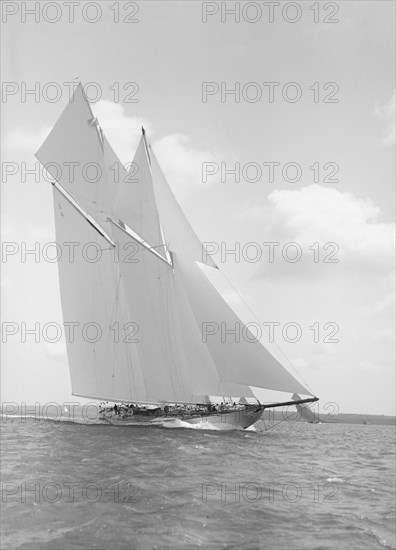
(219, 420)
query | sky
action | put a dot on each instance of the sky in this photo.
(153, 72)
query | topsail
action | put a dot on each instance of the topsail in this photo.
(137, 295)
(78, 156)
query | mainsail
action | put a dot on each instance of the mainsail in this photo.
(93, 306)
(133, 297)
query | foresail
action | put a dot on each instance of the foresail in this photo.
(135, 203)
(304, 412)
(202, 370)
(134, 300)
(178, 233)
(228, 389)
(177, 365)
(243, 361)
(79, 157)
(102, 365)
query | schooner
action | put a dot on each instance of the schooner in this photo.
(139, 292)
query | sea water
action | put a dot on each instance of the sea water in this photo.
(287, 485)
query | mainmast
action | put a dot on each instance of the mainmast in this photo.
(167, 302)
(146, 145)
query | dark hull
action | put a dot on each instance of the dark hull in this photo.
(216, 420)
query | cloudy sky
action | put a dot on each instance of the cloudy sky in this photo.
(345, 198)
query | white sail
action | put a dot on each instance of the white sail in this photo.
(201, 366)
(135, 203)
(228, 389)
(134, 319)
(245, 361)
(77, 155)
(177, 365)
(93, 300)
(178, 233)
(304, 412)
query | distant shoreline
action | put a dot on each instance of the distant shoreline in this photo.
(89, 410)
(341, 418)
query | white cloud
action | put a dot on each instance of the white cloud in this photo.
(322, 214)
(300, 363)
(181, 163)
(385, 304)
(122, 131)
(386, 112)
(23, 140)
(56, 350)
(6, 283)
(384, 335)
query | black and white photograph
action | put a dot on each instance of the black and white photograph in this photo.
(198, 275)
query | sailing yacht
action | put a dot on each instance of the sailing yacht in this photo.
(134, 296)
(304, 412)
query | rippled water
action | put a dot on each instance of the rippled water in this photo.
(296, 486)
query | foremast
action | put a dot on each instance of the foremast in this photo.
(169, 361)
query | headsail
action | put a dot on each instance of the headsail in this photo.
(243, 361)
(304, 412)
(126, 344)
(177, 365)
(138, 317)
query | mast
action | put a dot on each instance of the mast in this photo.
(145, 145)
(162, 296)
(135, 202)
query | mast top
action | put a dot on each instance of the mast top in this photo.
(143, 131)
